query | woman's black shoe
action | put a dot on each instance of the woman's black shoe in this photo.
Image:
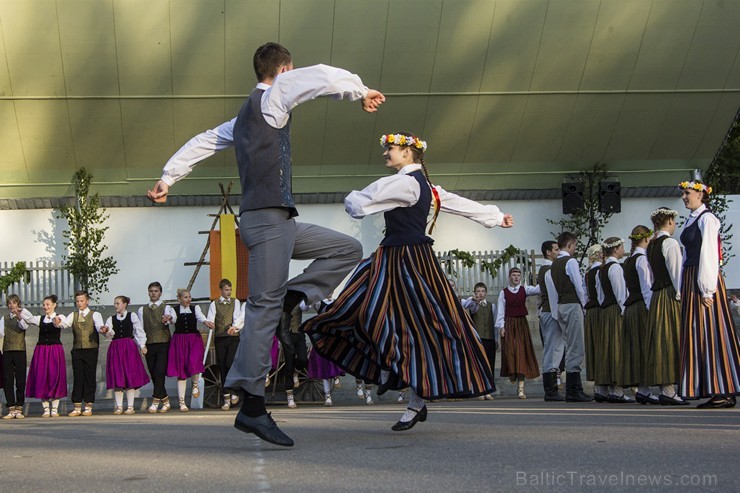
(671, 401)
(718, 403)
(600, 397)
(421, 415)
(389, 384)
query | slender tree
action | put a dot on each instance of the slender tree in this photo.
(84, 238)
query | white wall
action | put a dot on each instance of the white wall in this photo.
(152, 243)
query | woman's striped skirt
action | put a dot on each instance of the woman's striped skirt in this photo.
(398, 312)
(635, 335)
(612, 324)
(591, 336)
(710, 352)
(662, 348)
(517, 352)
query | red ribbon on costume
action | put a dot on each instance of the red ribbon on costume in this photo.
(437, 205)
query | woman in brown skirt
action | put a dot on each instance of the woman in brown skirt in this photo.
(518, 360)
(662, 356)
(592, 334)
(639, 280)
(612, 295)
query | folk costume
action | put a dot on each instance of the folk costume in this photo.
(158, 338)
(593, 333)
(185, 358)
(124, 369)
(13, 333)
(553, 342)
(482, 315)
(47, 374)
(398, 322)
(226, 313)
(710, 352)
(85, 326)
(518, 360)
(638, 280)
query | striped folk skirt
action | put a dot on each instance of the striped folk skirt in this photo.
(517, 352)
(710, 352)
(399, 313)
(635, 336)
(662, 348)
(591, 329)
(612, 324)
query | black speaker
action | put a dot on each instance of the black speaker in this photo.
(572, 196)
(610, 197)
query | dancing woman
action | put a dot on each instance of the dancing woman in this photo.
(398, 322)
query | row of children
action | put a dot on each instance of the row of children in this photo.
(179, 354)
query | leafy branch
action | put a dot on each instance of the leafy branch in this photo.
(17, 273)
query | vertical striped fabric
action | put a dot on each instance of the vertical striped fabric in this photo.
(710, 353)
(635, 337)
(612, 324)
(662, 348)
(228, 249)
(214, 262)
(517, 352)
(591, 336)
(398, 312)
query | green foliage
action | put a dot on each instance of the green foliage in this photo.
(493, 267)
(587, 223)
(17, 273)
(723, 176)
(84, 238)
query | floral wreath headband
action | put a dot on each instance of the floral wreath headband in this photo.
(593, 250)
(613, 244)
(695, 185)
(641, 236)
(663, 211)
(403, 140)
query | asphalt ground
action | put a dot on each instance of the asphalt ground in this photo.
(501, 445)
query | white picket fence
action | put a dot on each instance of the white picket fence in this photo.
(46, 278)
(467, 277)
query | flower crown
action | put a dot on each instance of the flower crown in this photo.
(641, 236)
(593, 250)
(613, 244)
(663, 211)
(403, 140)
(695, 185)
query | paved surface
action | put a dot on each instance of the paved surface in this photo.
(500, 445)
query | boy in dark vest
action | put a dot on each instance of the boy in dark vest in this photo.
(567, 299)
(85, 325)
(261, 137)
(553, 343)
(226, 319)
(481, 312)
(156, 317)
(14, 357)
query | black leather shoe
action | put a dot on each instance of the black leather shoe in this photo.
(671, 401)
(646, 399)
(600, 397)
(717, 403)
(421, 415)
(264, 427)
(623, 399)
(391, 383)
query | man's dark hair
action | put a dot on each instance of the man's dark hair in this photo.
(566, 237)
(547, 246)
(268, 59)
(480, 285)
(155, 284)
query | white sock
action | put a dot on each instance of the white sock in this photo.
(644, 390)
(669, 390)
(118, 395)
(181, 384)
(415, 402)
(617, 390)
(55, 404)
(327, 386)
(602, 389)
(45, 405)
(195, 378)
(130, 397)
(384, 374)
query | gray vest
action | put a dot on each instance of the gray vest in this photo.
(15, 337)
(156, 332)
(263, 158)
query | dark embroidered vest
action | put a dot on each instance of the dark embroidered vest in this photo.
(406, 225)
(48, 334)
(186, 322)
(83, 330)
(156, 332)
(691, 240)
(483, 321)
(544, 298)
(224, 318)
(591, 291)
(516, 303)
(632, 280)
(606, 285)
(15, 337)
(656, 259)
(563, 285)
(124, 329)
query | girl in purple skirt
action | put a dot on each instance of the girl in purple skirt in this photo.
(323, 369)
(186, 347)
(124, 370)
(47, 375)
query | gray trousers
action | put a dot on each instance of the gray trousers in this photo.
(553, 345)
(273, 240)
(570, 318)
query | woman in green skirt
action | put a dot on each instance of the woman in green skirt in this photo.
(612, 295)
(592, 333)
(662, 350)
(639, 280)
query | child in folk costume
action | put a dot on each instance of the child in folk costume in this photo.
(518, 360)
(553, 342)
(124, 370)
(155, 317)
(397, 319)
(47, 375)
(85, 325)
(481, 311)
(226, 319)
(593, 333)
(14, 356)
(662, 347)
(638, 278)
(185, 359)
(710, 350)
(612, 292)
